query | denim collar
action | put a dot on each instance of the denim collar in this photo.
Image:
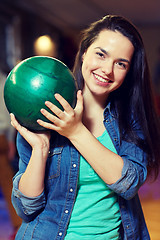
(108, 111)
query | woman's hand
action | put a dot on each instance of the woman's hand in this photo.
(36, 140)
(66, 122)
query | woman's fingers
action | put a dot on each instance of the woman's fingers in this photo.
(15, 123)
(57, 111)
(34, 139)
(62, 120)
(51, 117)
(66, 106)
(22, 130)
(79, 105)
(57, 114)
(47, 125)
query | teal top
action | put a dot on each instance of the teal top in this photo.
(96, 213)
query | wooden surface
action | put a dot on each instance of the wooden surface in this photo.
(150, 200)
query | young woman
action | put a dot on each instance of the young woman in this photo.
(80, 179)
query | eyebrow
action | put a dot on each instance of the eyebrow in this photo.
(120, 59)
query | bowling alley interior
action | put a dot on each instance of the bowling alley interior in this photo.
(53, 28)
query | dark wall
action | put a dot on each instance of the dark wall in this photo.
(26, 28)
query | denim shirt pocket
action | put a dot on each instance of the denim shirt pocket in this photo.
(53, 164)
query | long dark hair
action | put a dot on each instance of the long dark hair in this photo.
(134, 100)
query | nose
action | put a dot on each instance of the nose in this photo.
(107, 67)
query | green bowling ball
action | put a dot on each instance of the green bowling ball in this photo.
(31, 83)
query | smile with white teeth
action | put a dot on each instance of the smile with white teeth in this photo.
(101, 79)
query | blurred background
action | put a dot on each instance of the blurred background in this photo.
(52, 28)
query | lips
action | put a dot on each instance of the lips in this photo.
(101, 79)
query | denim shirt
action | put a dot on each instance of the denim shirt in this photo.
(47, 216)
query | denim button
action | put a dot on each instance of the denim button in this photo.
(25, 211)
(60, 234)
(71, 190)
(74, 165)
(17, 194)
(66, 211)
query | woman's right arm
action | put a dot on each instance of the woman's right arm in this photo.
(28, 196)
(31, 183)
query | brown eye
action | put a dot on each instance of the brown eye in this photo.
(122, 65)
(100, 54)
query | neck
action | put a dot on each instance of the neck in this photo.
(93, 103)
(93, 113)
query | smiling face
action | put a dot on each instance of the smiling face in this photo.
(106, 63)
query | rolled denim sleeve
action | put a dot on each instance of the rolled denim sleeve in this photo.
(134, 174)
(26, 207)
